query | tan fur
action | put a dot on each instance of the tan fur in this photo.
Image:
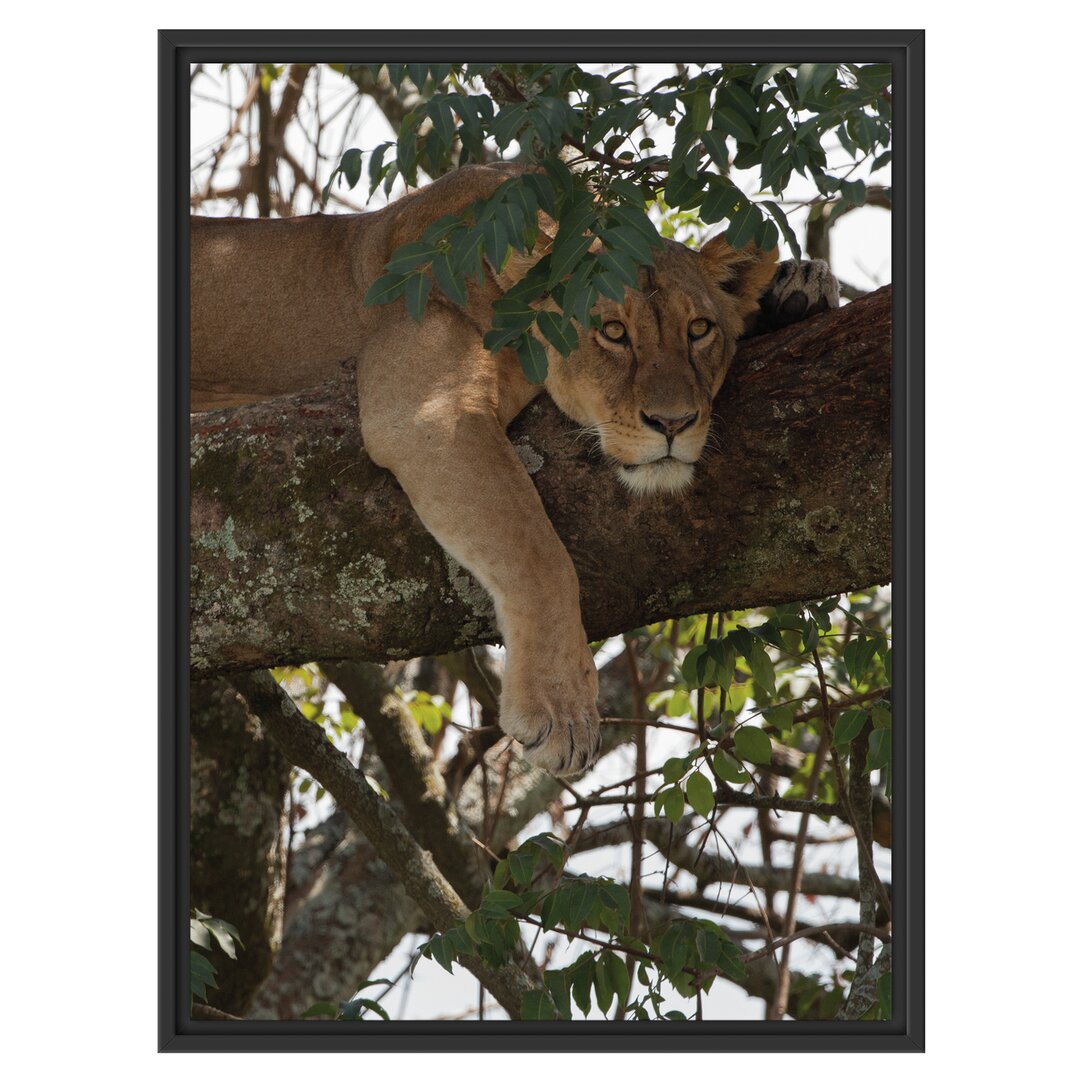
(277, 306)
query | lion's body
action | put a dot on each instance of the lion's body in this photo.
(277, 306)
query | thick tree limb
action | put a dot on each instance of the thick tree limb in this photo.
(416, 781)
(303, 549)
(239, 789)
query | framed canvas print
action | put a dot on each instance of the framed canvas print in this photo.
(541, 572)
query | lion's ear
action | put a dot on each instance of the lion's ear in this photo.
(743, 272)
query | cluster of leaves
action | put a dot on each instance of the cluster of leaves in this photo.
(208, 933)
(769, 666)
(430, 711)
(570, 277)
(770, 117)
(530, 885)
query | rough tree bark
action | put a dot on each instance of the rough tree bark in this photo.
(301, 548)
(239, 784)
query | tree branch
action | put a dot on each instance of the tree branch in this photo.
(711, 869)
(302, 548)
(416, 781)
(306, 746)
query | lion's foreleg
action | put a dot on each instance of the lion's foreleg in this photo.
(442, 439)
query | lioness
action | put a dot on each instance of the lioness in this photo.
(276, 305)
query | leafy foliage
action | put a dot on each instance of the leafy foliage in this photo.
(209, 933)
(771, 118)
(531, 887)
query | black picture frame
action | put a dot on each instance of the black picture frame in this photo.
(905, 50)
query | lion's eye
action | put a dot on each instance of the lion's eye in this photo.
(613, 331)
(699, 328)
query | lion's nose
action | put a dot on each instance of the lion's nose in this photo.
(669, 426)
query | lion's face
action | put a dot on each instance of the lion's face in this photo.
(645, 380)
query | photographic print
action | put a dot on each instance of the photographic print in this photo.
(541, 542)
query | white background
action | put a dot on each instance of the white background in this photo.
(79, 597)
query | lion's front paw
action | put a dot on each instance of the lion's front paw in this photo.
(553, 715)
(798, 291)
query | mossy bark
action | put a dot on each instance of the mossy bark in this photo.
(303, 549)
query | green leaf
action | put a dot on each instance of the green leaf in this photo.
(466, 258)
(699, 794)
(767, 236)
(730, 963)
(499, 901)
(884, 993)
(811, 634)
(621, 269)
(697, 108)
(628, 191)
(673, 769)
(558, 984)
(880, 753)
(410, 256)
(226, 935)
(752, 744)
(201, 936)
(767, 71)
(441, 228)
(496, 242)
(417, 289)
(325, 1009)
(761, 667)
(807, 78)
(630, 217)
(202, 975)
(452, 288)
(354, 1010)
(670, 803)
(500, 338)
(694, 666)
(566, 253)
(562, 336)
(881, 161)
(615, 897)
(630, 240)
(618, 976)
(727, 768)
(731, 121)
(781, 716)
(854, 191)
(384, 289)
(351, 166)
(874, 76)
(522, 867)
(744, 224)
(720, 202)
(543, 189)
(848, 726)
(375, 166)
(533, 359)
(537, 1005)
(582, 983)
